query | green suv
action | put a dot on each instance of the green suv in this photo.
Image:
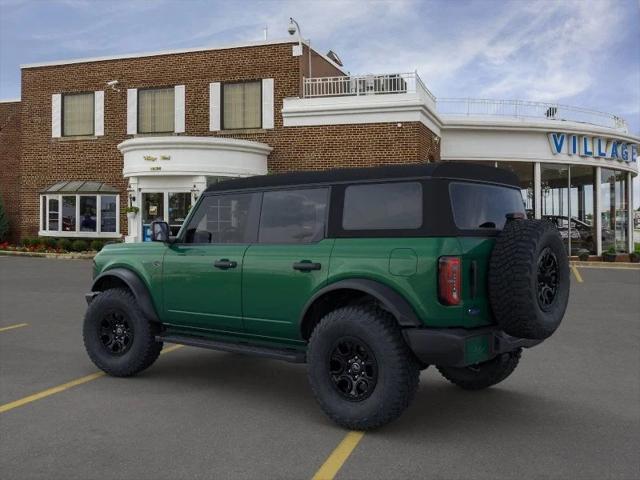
(368, 275)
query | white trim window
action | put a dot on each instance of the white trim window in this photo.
(156, 110)
(75, 214)
(77, 114)
(242, 105)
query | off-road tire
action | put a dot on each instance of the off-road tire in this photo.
(398, 372)
(143, 350)
(483, 375)
(514, 279)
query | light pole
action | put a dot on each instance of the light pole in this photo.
(293, 28)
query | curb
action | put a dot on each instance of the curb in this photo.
(607, 265)
(60, 256)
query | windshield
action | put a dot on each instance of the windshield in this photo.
(478, 206)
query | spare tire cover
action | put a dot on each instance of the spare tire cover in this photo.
(529, 279)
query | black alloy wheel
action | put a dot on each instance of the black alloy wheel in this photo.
(353, 369)
(548, 278)
(116, 333)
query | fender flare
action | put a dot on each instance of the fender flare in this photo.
(137, 287)
(387, 296)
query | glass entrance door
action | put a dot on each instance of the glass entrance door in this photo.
(170, 207)
(152, 210)
(555, 199)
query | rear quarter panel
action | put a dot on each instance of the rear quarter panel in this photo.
(389, 261)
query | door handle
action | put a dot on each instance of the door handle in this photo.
(225, 264)
(306, 266)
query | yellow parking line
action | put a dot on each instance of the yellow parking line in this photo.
(65, 386)
(334, 463)
(11, 327)
(576, 273)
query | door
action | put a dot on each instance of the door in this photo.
(289, 262)
(202, 271)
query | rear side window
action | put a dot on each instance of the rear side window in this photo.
(383, 206)
(476, 206)
(230, 218)
(293, 216)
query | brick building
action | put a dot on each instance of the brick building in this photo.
(91, 137)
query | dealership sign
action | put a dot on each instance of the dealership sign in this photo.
(597, 147)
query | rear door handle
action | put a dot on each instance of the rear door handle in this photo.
(225, 264)
(306, 266)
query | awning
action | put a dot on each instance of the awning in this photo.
(80, 186)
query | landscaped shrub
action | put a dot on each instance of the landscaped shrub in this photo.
(27, 242)
(97, 245)
(79, 245)
(64, 244)
(49, 242)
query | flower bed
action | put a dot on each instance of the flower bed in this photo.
(48, 245)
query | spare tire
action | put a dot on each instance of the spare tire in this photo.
(529, 279)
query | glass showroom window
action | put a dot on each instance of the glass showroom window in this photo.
(242, 105)
(524, 171)
(76, 215)
(156, 110)
(614, 210)
(78, 114)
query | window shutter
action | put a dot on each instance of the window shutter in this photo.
(178, 111)
(132, 111)
(56, 115)
(214, 106)
(98, 113)
(267, 103)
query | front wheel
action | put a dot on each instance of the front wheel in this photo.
(118, 338)
(483, 375)
(360, 369)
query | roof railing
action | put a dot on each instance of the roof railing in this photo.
(526, 109)
(370, 84)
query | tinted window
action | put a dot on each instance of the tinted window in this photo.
(293, 216)
(228, 218)
(383, 206)
(477, 206)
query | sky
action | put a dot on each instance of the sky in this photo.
(577, 52)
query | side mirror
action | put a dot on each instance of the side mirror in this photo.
(159, 232)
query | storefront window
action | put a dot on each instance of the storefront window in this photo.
(583, 229)
(69, 213)
(614, 210)
(88, 214)
(555, 198)
(53, 213)
(524, 171)
(108, 213)
(179, 206)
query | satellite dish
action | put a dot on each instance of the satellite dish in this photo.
(334, 57)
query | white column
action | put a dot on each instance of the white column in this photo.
(537, 191)
(598, 211)
(630, 212)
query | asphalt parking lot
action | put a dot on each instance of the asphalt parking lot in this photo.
(570, 411)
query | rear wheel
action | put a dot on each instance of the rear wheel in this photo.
(117, 336)
(483, 375)
(360, 369)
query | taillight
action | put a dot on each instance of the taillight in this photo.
(449, 281)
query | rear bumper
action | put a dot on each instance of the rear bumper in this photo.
(459, 347)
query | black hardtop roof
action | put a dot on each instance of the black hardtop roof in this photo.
(453, 170)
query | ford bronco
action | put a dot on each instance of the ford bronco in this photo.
(368, 275)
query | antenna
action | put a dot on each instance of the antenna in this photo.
(266, 32)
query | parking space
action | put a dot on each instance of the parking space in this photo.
(571, 409)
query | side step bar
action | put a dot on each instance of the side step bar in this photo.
(286, 354)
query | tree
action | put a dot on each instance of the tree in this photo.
(4, 222)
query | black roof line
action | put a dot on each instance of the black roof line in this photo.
(452, 170)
